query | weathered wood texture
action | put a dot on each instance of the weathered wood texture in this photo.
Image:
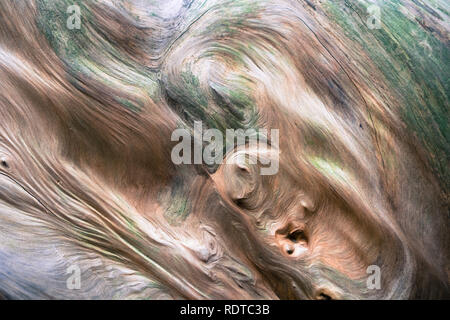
(357, 89)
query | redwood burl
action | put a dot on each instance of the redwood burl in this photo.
(92, 205)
